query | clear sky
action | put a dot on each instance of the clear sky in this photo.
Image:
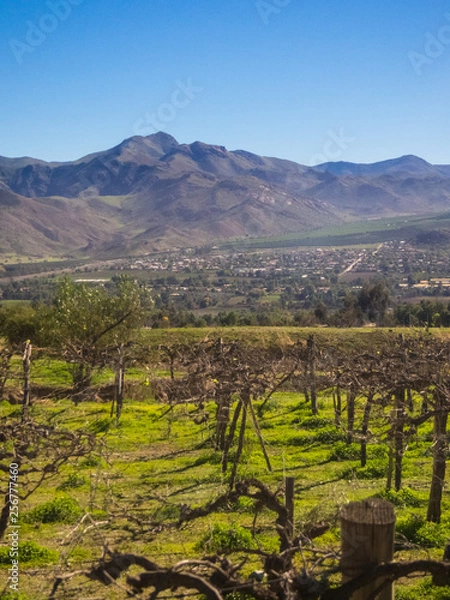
(308, 81)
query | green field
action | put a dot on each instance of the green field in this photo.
(349, 234)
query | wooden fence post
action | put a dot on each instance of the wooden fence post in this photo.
(26, 359)
(367, 533)
(311, 346)
(120, 380)
(289, 502)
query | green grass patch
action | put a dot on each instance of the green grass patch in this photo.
(30, 553)
(59, 510)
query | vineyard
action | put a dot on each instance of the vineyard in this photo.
(165, 474)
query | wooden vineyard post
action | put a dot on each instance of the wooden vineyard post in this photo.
(367, 533)
(289, 500)
(312, 373)
(120, 379)
(26, 359)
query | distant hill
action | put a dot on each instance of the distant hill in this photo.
(152, 192)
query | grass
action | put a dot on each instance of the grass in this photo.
(153, 462)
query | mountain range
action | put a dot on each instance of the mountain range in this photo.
(152, 193)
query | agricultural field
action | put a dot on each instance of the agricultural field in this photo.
(147, 481)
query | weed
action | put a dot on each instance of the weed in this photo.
(73, 481)
(432, 535)
(403, 498)
(223, 539)
(343, 451)
(409, 525)
(330, 436)
(100, 425)
(314, 423)
(59, 510)
(372, 471)
(91, 461)
(167, 512)
(29, 552)
(425, 589)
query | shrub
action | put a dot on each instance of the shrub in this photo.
(375, 451)
(403, 498)
(91, 461)
(432, 535)
(343, 451)
(372, 471)
(73, 481)
(330, 436)
(409, 525)
(314, 423)
(244, 504)
(425, 589)
(298, 440)
(59, 510)
(29, 552)
(223, 539)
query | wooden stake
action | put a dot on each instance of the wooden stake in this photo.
(26, 359)
(367, 532)
(289, 501)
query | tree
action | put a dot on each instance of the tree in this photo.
(18, 323)
(373, 300)
(87, 324)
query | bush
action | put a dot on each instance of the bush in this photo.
(91, 461)
(330, 436)
(372, 471)
(343, 451)
(59, 510)
(244, 504)
(73, 481)
(425, 589)
(409, 525)
(223, 539)
(29, 552)
(419, 531)
(314, 423)
(298, 440)
(375, 451)
(403, 498)
(432, 535)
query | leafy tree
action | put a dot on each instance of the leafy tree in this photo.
(373, 300)
(85, 323)
(18, 323)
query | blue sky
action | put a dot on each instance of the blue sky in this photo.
(307, 81)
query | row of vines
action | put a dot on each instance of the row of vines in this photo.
(382, 391)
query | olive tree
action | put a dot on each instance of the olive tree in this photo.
(86, 324)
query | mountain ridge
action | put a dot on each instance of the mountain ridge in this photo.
(153, 192)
